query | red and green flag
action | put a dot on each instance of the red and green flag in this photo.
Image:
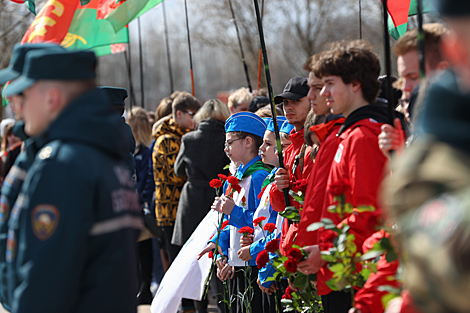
(29, 4)
(99, 25)
(398, 13)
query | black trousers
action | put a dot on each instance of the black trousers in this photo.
(260, 302)
(337, 302)
(146, 267)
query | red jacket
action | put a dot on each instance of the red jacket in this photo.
(369, 298)
(360, 161)
(277, 198)
(315, 195)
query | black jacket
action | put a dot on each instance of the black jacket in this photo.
(201, 158)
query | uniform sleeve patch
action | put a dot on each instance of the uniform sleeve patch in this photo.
(4, 209)
(44, 220)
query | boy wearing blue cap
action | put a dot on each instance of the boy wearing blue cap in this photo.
(244, 133)
(76, 214)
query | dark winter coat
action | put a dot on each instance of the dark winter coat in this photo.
(201, 158)
(79, 216)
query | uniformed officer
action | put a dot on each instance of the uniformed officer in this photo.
(429, 190)
(79, 216)
(14, 180)
(116, 97)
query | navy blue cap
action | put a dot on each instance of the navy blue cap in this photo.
(286, 128)
(47, 64)
(116, 96)
(280, 121)
(453, 8)
(15, 68)
(246, 122)
(295, 89)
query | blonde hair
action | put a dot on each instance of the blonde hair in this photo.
(140, 125)
(238, 97)
(432, 35)
(212, 109)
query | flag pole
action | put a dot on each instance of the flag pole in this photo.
(189, 46)
(260, 59)
(421, 51)
(360, 20)
(127, 57)
(388, 62)
(241, 47)
(271, 96)
(142, 93)
(170, 71)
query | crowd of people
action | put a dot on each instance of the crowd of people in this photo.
(96, 203)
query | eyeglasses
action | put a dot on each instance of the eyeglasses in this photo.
(189, 112)
(229, 143)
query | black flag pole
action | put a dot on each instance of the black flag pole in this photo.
(421, 51)
(189, 47)
(241, 47)
(141, 67)
(388, 63)
(271, 96)
(170, 71)
(360, 19)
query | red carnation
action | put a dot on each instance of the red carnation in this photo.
(325, 246)
(262, 259)
(246, 230)
(224, 224)
(237, 188)
(288, 293)
(258, 221)
(270, 227)
(211, 254)
(273, 245)
(215, 183)
(295, 253)
(222, 177)
(291, 265)
(233, 180)
(338, 188)
(300, 185)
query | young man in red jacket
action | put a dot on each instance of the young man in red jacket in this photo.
(350, 73)
(297, 161)
(326, 136)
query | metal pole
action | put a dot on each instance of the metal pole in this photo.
(360, 20)
(388, 61)
(129, 73)
(189, 47)
(142, 93)
(241, 47)
(421, 45)
(271, 96)
(170, 71)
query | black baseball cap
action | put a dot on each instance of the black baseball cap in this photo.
(51, 64)
(295, 89)
(15, 68)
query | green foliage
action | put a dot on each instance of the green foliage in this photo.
(291, 213)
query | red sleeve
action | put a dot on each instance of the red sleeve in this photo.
(366, 171)
(276, 198)
(369, 298)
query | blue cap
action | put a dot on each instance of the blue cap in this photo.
(267, 120)
(15, 69)
(53, 64)
(280, 121)
(286, 128)
(246, 122)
